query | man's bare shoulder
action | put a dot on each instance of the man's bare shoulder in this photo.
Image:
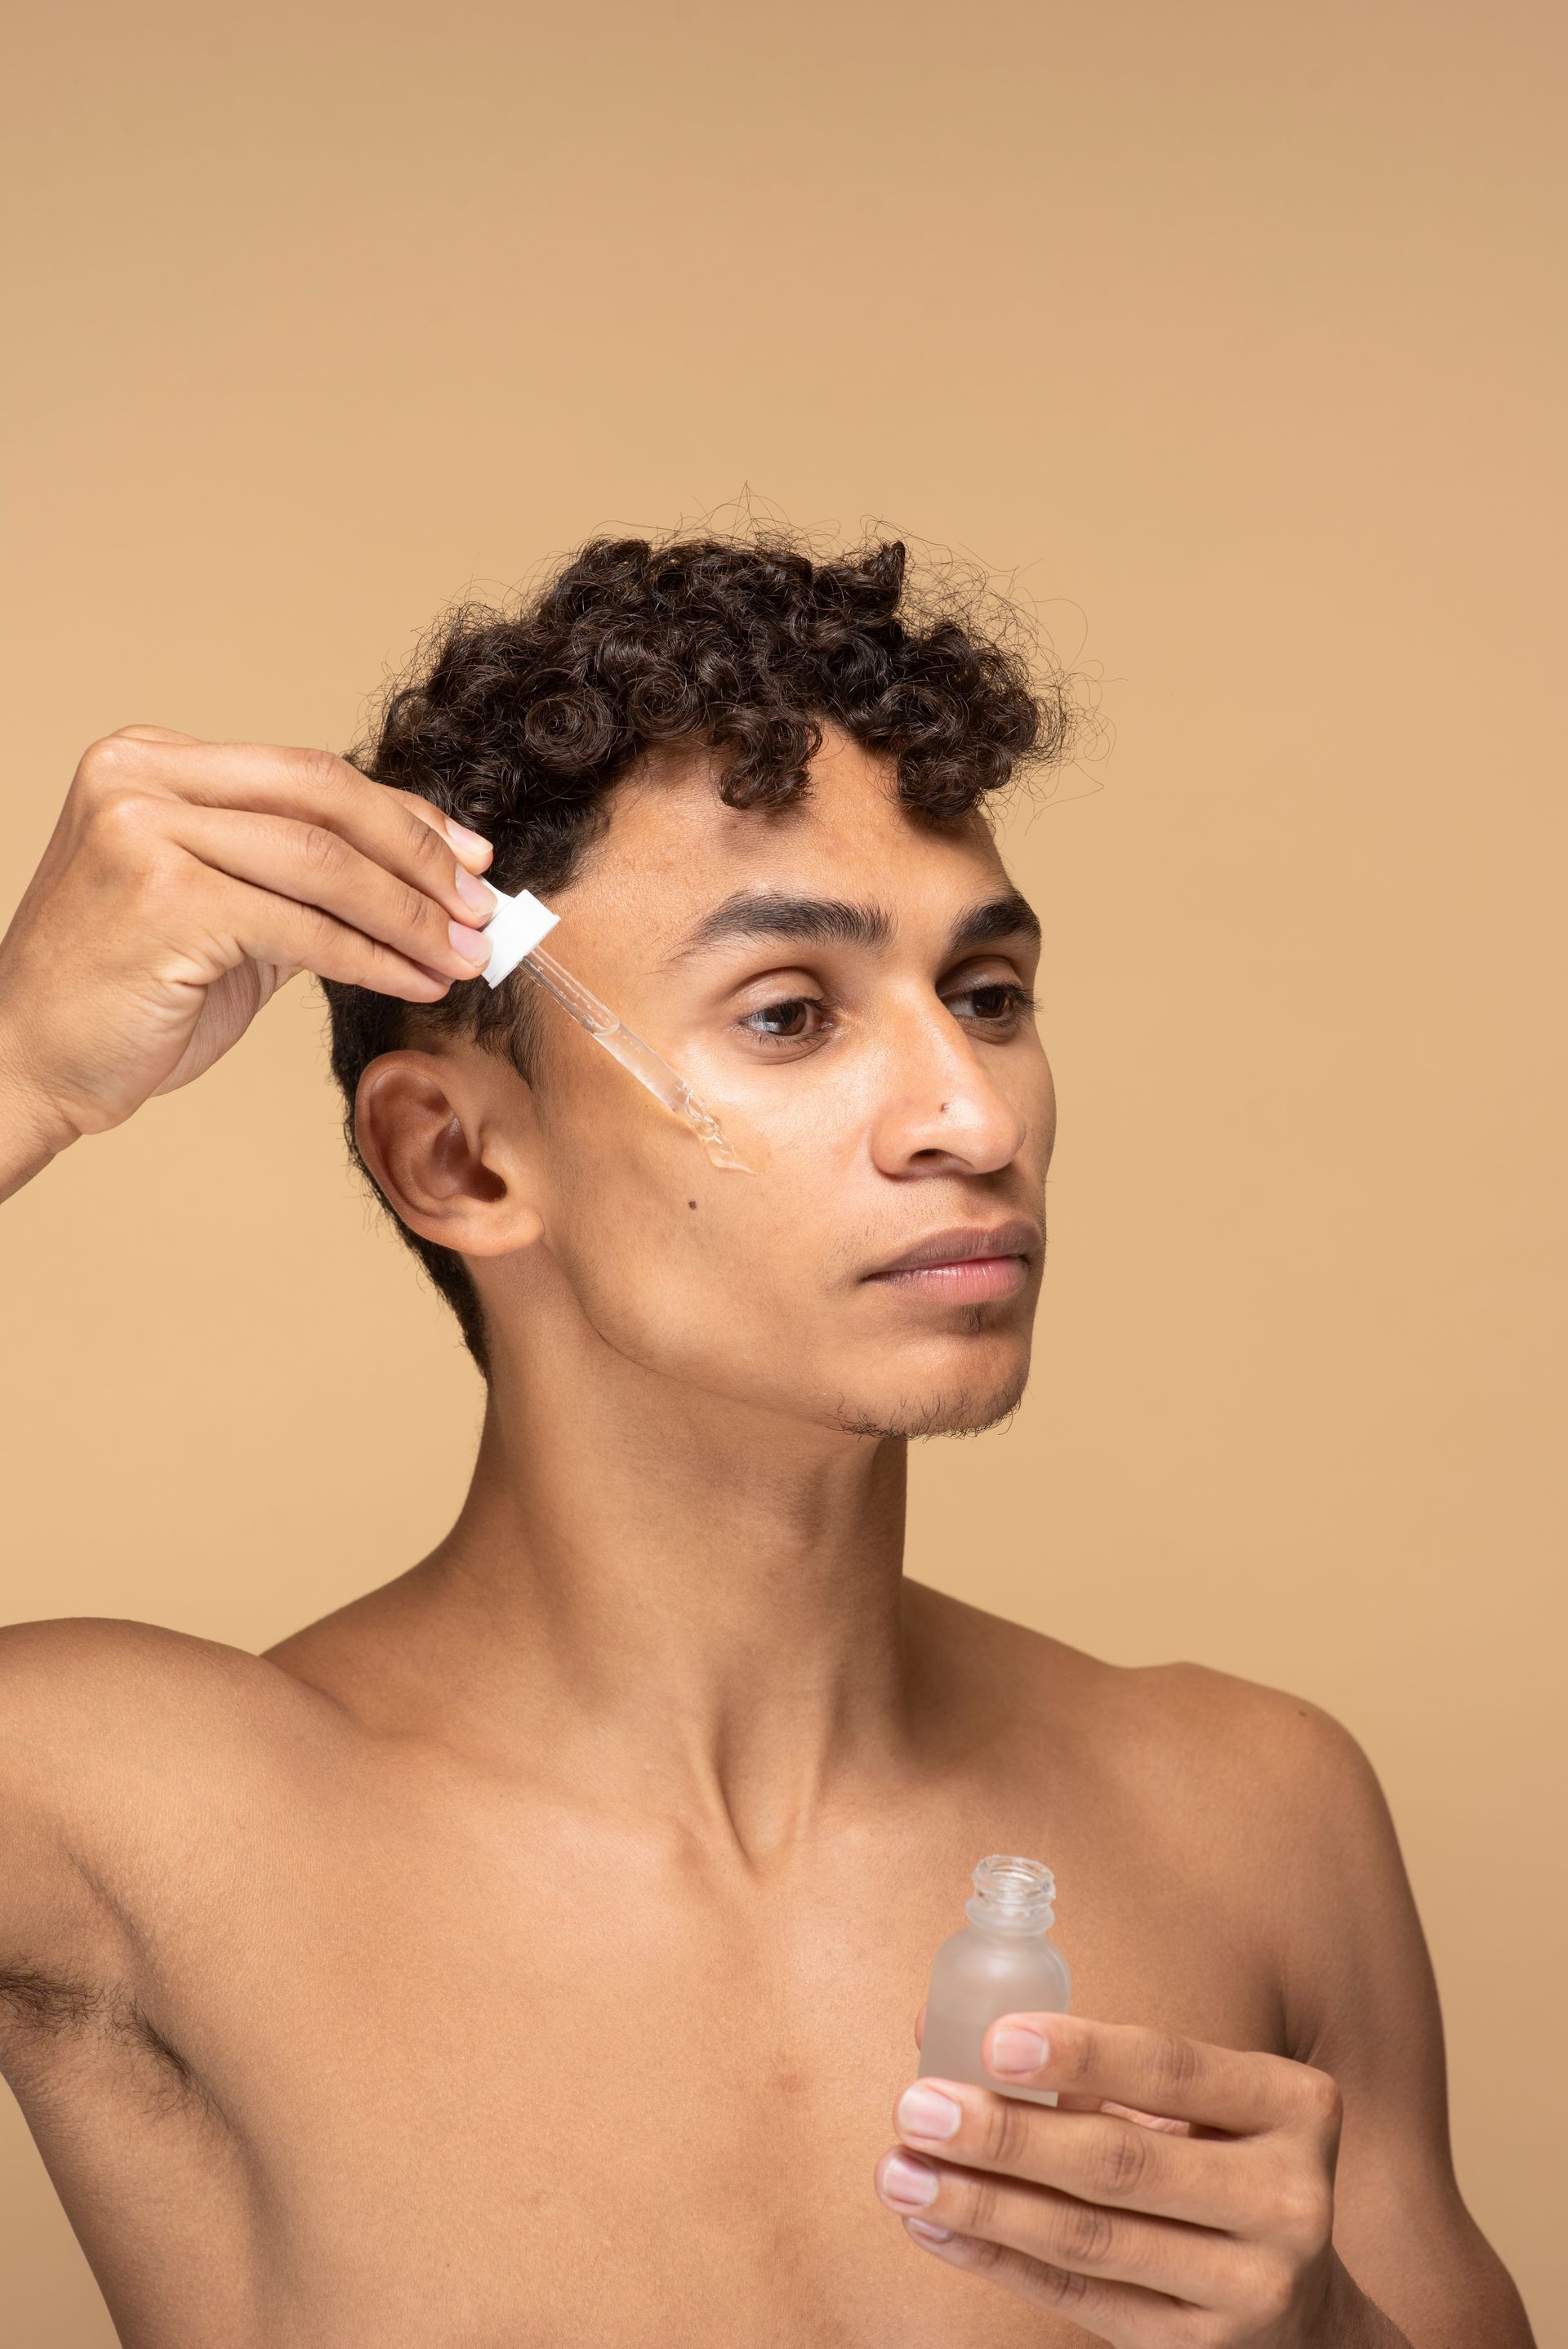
(1240, 1758)
(1225, 1730)
(81, 1695)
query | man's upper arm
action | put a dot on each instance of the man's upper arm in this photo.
(1361, 2003)
(48, 1911)
(75, 1694)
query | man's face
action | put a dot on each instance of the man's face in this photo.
(840, 981)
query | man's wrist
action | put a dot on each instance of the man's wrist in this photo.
(32, 1131)
(1351, 2321)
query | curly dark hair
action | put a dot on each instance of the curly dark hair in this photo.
(519, 723)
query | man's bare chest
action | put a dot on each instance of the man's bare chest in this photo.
(569, 2092)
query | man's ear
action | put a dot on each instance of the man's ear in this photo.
(453, 1142)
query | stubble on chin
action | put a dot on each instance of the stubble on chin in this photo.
(946, 1411)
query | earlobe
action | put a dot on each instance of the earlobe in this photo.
(451, 1167)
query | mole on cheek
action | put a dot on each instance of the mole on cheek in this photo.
(691, 1202)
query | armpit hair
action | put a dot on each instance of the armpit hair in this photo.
(53, 2007)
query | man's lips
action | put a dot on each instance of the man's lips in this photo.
(966, 1262)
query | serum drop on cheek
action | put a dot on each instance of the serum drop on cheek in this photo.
(1003, 1962)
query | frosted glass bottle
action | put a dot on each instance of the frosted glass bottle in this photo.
(1002, 1961)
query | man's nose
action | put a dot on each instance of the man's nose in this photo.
(943, 1109)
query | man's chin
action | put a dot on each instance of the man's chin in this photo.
(948, 1411)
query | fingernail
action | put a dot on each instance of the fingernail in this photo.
(927, 2233)
(477, 894)
(460, 836)
(909, 2180)
(926, 2112)
(468, 944)
(1017, 2051)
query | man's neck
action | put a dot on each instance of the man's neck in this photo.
(696, 1603)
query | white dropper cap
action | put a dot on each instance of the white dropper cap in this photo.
(514, 929)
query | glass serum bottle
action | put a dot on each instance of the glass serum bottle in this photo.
(1002, 1961)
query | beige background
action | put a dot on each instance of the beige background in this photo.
(1231, 331)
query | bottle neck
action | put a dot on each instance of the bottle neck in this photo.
(1012, 1896)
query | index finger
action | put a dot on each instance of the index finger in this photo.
(471, 847)
(406, 836)
(1161, 2072)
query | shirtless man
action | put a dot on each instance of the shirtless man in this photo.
(530, 1953)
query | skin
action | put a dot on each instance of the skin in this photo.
(526, 1953)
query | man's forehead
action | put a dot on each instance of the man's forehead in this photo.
(674, 854)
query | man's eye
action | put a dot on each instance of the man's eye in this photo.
(797, 1020)
(994, 1004)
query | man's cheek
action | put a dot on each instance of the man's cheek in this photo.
(719, 1335)
(661, 1266)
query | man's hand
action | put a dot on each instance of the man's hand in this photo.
(184, 882)
(1178, 2197)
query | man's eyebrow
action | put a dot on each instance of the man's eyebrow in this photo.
(765, 913)
(835, 921)
(1011, 916)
